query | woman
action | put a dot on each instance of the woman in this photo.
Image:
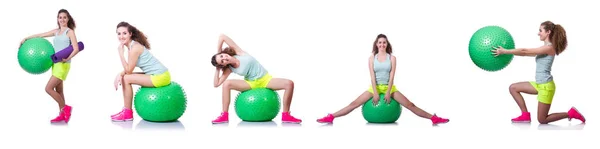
(382, 67)
(64, 36)
(555, 42)
(154, 74)
(234, 59)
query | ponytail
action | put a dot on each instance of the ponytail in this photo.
(558, 36)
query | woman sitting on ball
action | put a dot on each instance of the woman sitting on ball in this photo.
(234, 59)
(555, 42)
(154, 74)
(382, 67)
(64, 36)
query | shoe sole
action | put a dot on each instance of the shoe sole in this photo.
(122, 120)
(291, 122)
(521, 121)
(324, 122)
(220, 122)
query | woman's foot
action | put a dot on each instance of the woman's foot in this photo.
(67, 113)
(223, 118)
(327, 119)
(524, 118)
(573, 113)
(59, 118)
(286, 117)
(438, 120)
(63, 115)
(124, 115)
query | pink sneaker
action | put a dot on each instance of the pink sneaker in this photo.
(124, 115)
(58, 118)
(223, 118)
(66, 112)
(524, 118)
(438, 120)
(287, 118)
(327, 119)
(118, 113)
(573, 113)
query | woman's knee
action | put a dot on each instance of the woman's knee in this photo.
(49, 89)
(126, 79)
(227, 85)
(513, 87)
(542, 119)
(289, 84)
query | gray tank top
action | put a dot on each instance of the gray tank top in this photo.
(543, 67)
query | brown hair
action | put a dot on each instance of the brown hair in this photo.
(70, 23)
(227, 51)
(558, 36)
(389, 45)
(136, 34)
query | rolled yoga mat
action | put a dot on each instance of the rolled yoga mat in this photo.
(59, 56)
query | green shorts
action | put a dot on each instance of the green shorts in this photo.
(545, 91)
(160, 80)
(60, 70)
(261, 82)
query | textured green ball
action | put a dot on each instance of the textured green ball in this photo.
(382, 112)
(483, 42)
(34, 55)
(257, 105)
(162, 104)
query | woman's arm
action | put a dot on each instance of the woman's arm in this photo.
(73, 38)
(230, 43)
(220, 80)
(524, 51)
(392, 74)
(42, 35)
(372, 72)
(134, 54)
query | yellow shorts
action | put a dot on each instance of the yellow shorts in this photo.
(545, 91)
(60, 70)
(160, 80)
(261, 82)
(382, 89)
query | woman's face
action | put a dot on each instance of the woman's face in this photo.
(223, 59)
(123, 34)
(543, 33)
(382, 44)
(63, 19)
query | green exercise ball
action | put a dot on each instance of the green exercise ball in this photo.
(34, 55)
(257, 105)
(161, 104)
(483, 42)
(381, 112)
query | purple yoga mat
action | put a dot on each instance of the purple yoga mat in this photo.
(59, 56)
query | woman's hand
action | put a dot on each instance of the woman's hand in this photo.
(387, 98)
(498, 51)
(375, 98)
(121, 48)
(118, 80)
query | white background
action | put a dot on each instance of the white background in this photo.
(321, 45)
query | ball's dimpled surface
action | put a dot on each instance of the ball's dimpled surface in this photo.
(161, 104)
(257, 105)
(382, 112)
(482, 43)
(34, 55)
